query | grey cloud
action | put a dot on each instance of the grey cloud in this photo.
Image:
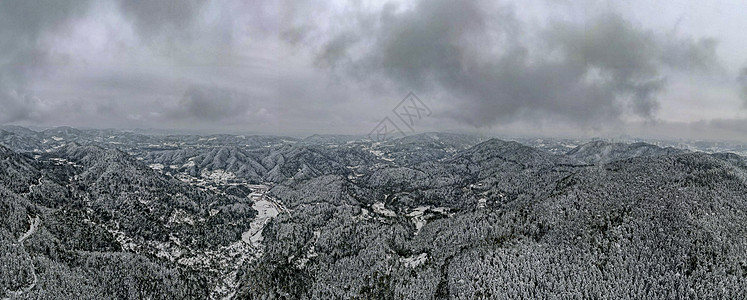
(626, 58)
(742, 80)
(209, 104)
(27, 27)
(690, 54)
(153, 18)
(125, 83)
(22, 22)
(286, 65)
(16, 105)
(715, 129)
(729, 129)
(293, 20)
(335, 50)
(22, 53)
(481, 55)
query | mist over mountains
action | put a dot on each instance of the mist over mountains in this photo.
(108, 214)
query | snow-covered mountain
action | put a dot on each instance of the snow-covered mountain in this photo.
(604, 152)
(99, 214)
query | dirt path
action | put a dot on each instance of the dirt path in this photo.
(32, 229)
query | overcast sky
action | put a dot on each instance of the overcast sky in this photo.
(544, 67)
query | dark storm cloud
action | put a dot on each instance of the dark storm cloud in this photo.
(482, 56)
(22, 55)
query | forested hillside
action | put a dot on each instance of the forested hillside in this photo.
(103, 215)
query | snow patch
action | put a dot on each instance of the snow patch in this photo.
(380, 154)
(363, 216)
(128, 244)
(180, 216)
(415, 260)
(417, 216)
(266, 211)
(442, 210)
(217, 176)
(379, 208)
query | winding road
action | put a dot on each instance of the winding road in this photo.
(32, 229)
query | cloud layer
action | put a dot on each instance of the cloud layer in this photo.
(310, 66)
(22, 53)
(742, 80)
(586, 72)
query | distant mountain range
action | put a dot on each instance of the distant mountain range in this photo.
(604, 152)
(107, 214)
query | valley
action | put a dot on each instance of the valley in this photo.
(106, 214)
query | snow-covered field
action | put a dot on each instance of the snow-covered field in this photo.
(217, 176)
(381, 209)
(415, 260)
(266, 210)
